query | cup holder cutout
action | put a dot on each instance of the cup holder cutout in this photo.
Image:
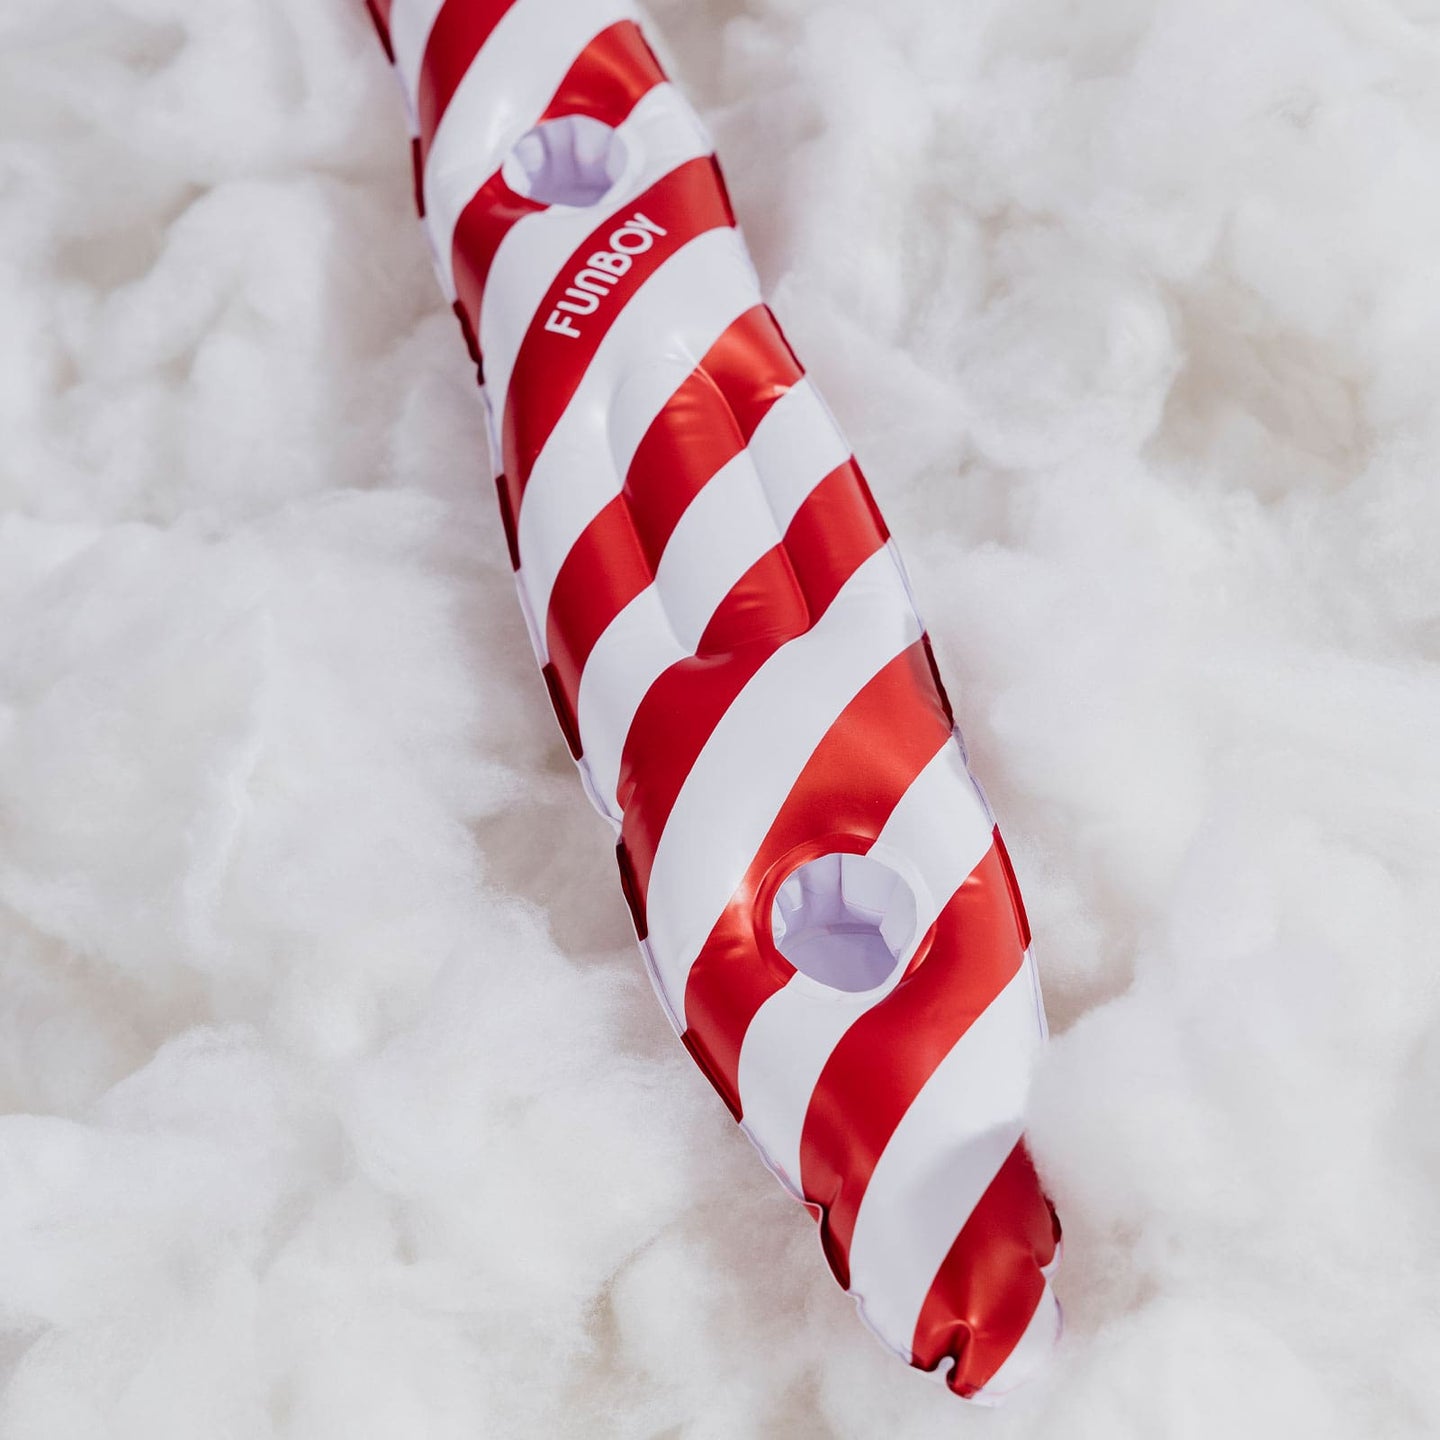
(574, 160)
(844, 920)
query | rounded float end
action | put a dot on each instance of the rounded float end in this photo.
(1026, 1362)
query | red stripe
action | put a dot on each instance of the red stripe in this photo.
(492, 212)
(613, 73)
(380, 17)
(604, 571)
(987, 1287)
(1018, 900)
(611, 76)
(842, 801)
(548, 369)
(460, 29)
(709, 420)
(417, 177)
(874, 1074)
(822, 548)
(779, 598)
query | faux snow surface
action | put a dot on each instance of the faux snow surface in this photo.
(337, 1105)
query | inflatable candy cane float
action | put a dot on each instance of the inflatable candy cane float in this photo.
(822, 898)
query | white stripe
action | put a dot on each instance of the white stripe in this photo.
(743, 511)
(637, 647)
(942, 828)
(935, 837)
(1030, 1354)
(411, 22)
(723, 532)
(786, 1045)
(742, 776)
(506, 89)
(944, 1153)
(660, 135)
(653, 344)
(795, 450)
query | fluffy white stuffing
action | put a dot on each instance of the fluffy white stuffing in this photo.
(337, 1106)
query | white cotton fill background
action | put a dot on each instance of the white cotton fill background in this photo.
(337, 1106)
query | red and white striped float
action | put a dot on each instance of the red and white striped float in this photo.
(729, 641)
